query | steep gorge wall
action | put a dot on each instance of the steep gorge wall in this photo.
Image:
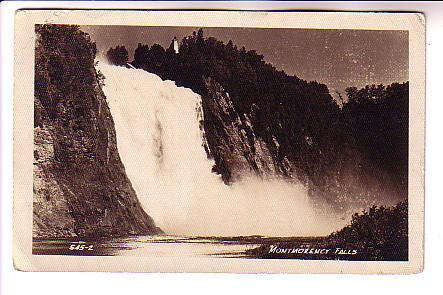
(261, 121)
(230, 139)
(241, 149)
(80, 183)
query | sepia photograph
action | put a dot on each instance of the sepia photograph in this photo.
(225, 142)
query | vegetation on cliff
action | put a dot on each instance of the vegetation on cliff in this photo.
(378, 234)
(118, 55)
(80, 184)
(342, 150)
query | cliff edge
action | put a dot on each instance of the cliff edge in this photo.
(80, 184)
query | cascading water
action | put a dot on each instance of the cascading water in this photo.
(160, 143)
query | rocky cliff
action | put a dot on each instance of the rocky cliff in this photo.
(259, 120)
(230, 139)
(80, 184)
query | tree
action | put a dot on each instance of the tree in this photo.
(118, 55)
(157, 53)
(381, 233)
(141, 55)
(200, 36)
(364, 135)
(377, 118)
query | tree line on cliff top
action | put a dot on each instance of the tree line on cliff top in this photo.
(367, 135)
(358, 146)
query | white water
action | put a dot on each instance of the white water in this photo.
(160, 144)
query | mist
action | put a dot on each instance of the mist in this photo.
(160, 144)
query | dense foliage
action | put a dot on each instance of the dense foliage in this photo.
(354, 148)
(376, 119)
(118, 55)
(379, 234)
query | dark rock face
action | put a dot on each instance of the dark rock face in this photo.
(231, 141)
(80, 184)
(249, 144)
(260, 120)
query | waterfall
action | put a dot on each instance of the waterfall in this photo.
(160, 141)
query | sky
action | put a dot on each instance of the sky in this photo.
(337, 58)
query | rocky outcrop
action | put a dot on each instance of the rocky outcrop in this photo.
(231, 141)
(80, 184)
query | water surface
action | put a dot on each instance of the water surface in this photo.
(161, 246)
